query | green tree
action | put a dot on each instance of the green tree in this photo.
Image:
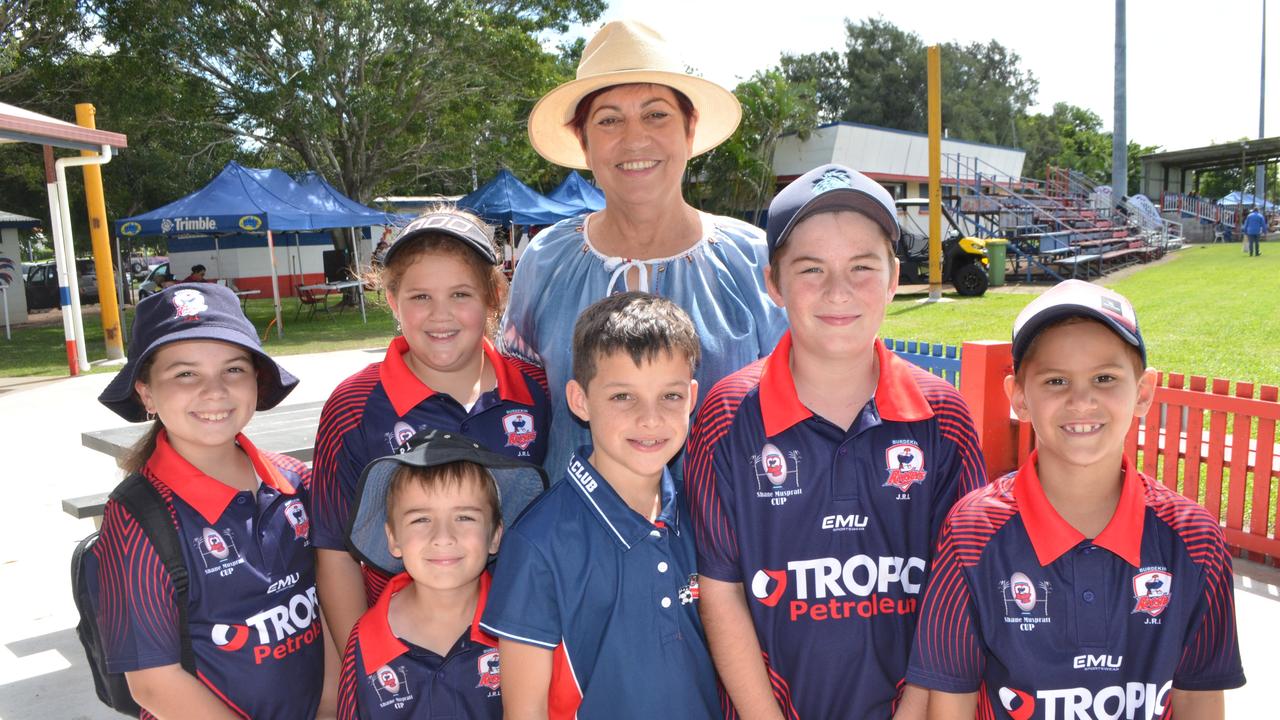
(881, 79)
(738, 175)
(374, 94)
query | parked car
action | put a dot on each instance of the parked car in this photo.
(151, 284)
(42, 284)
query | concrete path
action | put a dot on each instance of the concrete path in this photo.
(42, 668)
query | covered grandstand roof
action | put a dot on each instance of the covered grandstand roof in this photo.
(1222, 155)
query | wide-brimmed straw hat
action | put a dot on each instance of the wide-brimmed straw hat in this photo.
(625, 52)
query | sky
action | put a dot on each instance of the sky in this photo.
(1193, 67)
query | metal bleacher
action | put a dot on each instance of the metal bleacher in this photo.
(1065, 226)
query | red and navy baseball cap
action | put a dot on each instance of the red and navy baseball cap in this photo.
(475, 236)
(1077, 298)
(519, 483)
(829, 188)
(192, 311)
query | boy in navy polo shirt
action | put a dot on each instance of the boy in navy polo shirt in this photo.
(1078, 587)
(431, 516)
(820, 475)
(594, 596)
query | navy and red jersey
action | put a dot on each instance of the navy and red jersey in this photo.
(252, 613)
(830, 531)
(1049, 624)
(370, 414)
(384, 676)
(613, 596)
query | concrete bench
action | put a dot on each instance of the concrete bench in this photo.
(289, 430)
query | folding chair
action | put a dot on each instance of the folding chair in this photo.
(313, 298)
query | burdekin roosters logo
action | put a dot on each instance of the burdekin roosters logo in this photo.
(489, 667)
(518, 425)
(905, 463)
(1151, 591)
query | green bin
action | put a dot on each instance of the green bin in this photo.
(996, 249)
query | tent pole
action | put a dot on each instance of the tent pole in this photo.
(275, 284)
(355, 257)
(217, 256)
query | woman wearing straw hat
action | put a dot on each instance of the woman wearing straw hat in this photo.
(634, 117)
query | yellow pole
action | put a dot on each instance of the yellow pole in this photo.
(935, 173)
(101, 242)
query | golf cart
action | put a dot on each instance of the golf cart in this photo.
(964, 259)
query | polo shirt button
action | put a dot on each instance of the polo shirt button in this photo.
(241, 499)
(654, 533)
(666, 602)
(662, 566)
(844, 451)
(1088, 596)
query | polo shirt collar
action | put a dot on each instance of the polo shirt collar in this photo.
(897, 397)
(627, 527)
(406, 391)
(209, 497)
(379, 646)
(1051, 536)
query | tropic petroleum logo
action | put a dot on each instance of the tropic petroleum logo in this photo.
(875, 585)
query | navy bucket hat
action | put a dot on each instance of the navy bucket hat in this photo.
(192, 311)
(519, 483)
(829, 188)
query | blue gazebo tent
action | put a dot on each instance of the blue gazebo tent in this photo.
(576, 191)
(505, 200)
(242, 200)
(1233, 200)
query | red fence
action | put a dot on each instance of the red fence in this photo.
(1214, 445)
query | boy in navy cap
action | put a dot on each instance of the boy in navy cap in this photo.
(1078, 587)
(431, 517)
(595, 595)
(820, 475)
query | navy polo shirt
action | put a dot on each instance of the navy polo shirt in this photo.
(1060, 626)
(613, 595)
(829, 531)
(386, 677)
(252, 616)
(370, 414)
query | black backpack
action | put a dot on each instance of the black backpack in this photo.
(140, 500)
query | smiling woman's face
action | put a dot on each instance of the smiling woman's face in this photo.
(637, 141)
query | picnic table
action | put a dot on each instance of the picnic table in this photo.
(318, 292)
(289, 430)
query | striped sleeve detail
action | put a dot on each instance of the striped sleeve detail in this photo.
(136, 610)
(342, 413)
(348, 681)
(955, 424)
(717, 539)
(294, 469)
(1211, 657)
(534, 372)
(781, 691)
(948, 653)
(375, 581)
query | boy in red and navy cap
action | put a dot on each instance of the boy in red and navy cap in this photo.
(431, 517)
(820, 475)
(1078, 587)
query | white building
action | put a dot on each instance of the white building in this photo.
(897, 159)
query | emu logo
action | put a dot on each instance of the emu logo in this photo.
(1097, 662)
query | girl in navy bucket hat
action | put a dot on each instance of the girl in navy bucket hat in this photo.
(239, 641)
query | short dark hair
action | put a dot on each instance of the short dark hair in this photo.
(578, 123)
(637, 323)
(197, 269)
(443, 477)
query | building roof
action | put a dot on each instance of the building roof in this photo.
(14, 220)
(846, 123)
(18, 125)
(1222, 155)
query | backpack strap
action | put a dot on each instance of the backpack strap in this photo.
(148, 508)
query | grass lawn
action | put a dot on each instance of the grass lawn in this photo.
(41, 350)
(1208, 310)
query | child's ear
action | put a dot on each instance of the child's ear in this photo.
(576, 395)
(1146, 392)
(496, 540)
(771, 287)
(144, 394)
(1017, 398)
(693, 394)
(392, 546)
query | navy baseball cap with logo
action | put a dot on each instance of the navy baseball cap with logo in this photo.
(472, 234)
(192, 311)
(519, 483)
(1077, 298)
(829, 188)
